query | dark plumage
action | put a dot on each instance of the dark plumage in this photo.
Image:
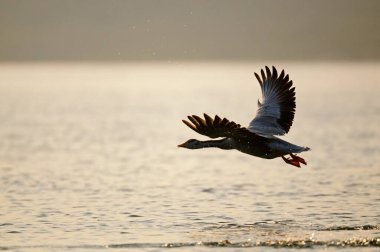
(274, 116)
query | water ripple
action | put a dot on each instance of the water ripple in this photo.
(363, 242)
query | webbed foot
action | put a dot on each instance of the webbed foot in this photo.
(299, 159)
(294, 160)
(291, 161)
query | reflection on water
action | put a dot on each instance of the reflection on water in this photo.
(88, 158)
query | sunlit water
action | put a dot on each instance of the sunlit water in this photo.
(88, 159)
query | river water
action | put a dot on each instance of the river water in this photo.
(88, 159)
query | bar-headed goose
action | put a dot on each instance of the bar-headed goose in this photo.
(274, 116)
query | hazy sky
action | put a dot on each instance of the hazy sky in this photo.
(189, 30)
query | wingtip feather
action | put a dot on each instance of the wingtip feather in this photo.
(209, 120)
(258, 79)
(274, 72)
(263, 75)
(269, 75)
(191, 126)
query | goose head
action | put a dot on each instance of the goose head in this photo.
(191, 144)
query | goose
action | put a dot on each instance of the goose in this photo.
(274, 117)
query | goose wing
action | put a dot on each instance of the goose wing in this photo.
(214, 128)
(278, 104)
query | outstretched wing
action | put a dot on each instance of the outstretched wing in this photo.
(213, 128)
(278, 104)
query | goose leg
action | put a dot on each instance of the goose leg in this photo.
(297, 158)
(291, 161)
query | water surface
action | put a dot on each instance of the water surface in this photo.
(88, 159)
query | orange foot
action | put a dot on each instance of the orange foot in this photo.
(299, 159)
(294, 160)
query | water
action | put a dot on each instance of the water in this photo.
(88, 159)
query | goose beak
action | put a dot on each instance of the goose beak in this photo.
(181, 145)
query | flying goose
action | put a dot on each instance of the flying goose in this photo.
(274, 116)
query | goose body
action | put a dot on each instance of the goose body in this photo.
(274, 116)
